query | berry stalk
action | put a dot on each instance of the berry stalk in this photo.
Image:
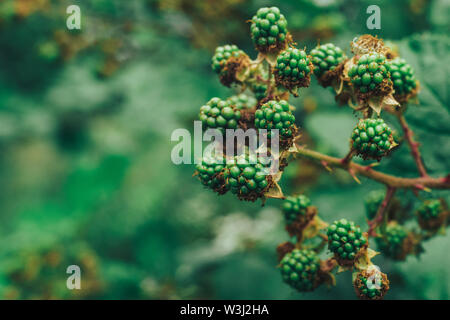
(366, 171)
(382, 211)
(414, 146)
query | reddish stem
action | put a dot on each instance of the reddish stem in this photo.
(382, 210)
(414, 146)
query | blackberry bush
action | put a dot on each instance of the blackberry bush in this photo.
(372, 139)
(369, 81)
(371, 284)
(346, 241)
(269, 30)
(293, 69)
(276, 115)
(219, 114)
(326, 58)
(371, 74)
(300, 269)
(403, 78)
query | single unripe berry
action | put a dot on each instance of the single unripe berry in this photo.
(295, 207)
(293, 69)
(372, 202)
(431, 214)
(219, 114)
(371, 284)
(372, 139)
(370, 73)
(211, 173)
(269, 30)
(326, 57)
(227, 61)
(346, 241)
(276, 115)
(300, 269)
(242, 101)
(402, 75)
(248, 177)
(394, 242)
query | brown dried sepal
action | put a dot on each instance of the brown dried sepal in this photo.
(383, 89)
(367, 273)
(433, 224)
(368, 43)
(297, 227)
(252, 196)
(333, 77)
(411, 245)
(232, 68)
(283, 249)
(276, 47)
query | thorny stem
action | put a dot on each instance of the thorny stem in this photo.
(420, 183)
(382, 211)
(414, 146)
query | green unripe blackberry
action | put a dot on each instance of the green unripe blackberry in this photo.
(345, 240)
(293, 69)
(372, 202)
(219, 114)
(431, 214)
(293, 207)
(276, 115)
(326, 57)
(247, 177)
(269, 30)
(242, 101)
(211, 173)
(300, 269)
(372, 139)
(260, 90)
(371, 74)
(371, 284)
(393, 242)
(402, 75)
(227, 61)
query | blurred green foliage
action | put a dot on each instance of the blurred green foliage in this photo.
(85, 170)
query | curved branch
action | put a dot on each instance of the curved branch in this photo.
(420, 183)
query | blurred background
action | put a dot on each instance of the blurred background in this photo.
(85, 171)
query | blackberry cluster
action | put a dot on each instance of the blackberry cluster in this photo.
(372, 202)
(276, 115)
(369, 72)
(371, 284)
(293, 207)
(269, 30)
(293, 69)
(372, 139)
(247, 176)
(300, 269)
(221, 56)
(326, 57)
(219, 114)
(402, 75)
(392, 242)
(242, 101)
(431, 214)
(345, 240)
(211, 173)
